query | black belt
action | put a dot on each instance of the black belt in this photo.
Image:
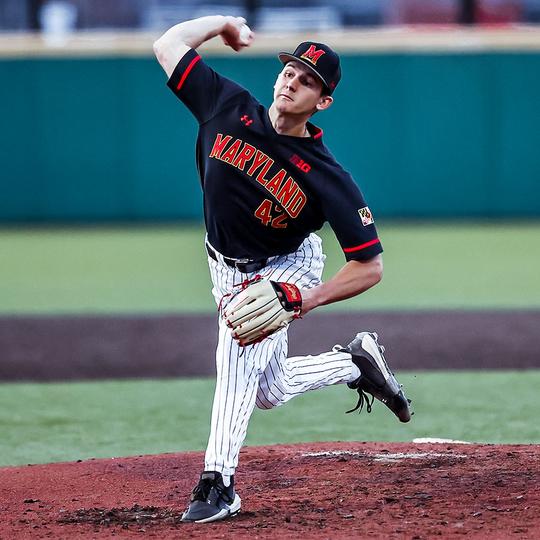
(246, 266)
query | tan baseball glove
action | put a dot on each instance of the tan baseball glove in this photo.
(259, 308)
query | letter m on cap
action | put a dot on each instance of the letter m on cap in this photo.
(312, 54)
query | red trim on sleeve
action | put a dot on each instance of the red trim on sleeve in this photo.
(318, 135)
(186, 73)
(361, 246)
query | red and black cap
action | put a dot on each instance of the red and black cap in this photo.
(320, 58)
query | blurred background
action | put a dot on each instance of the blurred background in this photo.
(102, 265)
(437, 115)
(263, 15)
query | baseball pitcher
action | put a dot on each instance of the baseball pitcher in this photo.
(269, 183)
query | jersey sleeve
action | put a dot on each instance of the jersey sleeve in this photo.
(351, 219)
(200, 88)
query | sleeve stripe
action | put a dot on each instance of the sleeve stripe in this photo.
(361, 246)
(186, 73)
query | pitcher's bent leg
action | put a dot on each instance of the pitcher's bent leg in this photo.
(283, 380)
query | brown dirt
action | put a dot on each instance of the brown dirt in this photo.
(345, 490)
(52, 348)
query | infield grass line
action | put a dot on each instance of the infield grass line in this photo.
(41, 423)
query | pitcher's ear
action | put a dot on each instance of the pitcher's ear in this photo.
(324, 103)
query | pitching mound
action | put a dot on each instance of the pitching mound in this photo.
(324, 490)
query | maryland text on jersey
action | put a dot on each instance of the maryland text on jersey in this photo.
(253, 161)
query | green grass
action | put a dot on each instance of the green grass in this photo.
(103, 270)
(464, 265)
(42, 423)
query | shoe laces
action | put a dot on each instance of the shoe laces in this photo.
(363, 399)
(202, 490)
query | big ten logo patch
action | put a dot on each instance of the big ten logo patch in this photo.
(300, 163)
(366, 216)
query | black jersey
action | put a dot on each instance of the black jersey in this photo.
(264, 193)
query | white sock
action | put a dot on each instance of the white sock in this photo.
(226, 480)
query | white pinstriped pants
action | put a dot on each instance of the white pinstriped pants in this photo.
(261, 374)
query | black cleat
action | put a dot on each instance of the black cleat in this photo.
(211, 500)
(376, 378)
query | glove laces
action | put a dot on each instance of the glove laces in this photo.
(237, 288)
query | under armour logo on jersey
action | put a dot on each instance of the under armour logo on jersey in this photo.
(247, 120)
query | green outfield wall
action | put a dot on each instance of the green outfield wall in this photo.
(425, 135)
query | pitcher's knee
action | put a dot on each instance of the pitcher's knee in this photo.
(262, 402)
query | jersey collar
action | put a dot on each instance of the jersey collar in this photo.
(315, 131)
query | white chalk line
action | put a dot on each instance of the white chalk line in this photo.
(385, 457)
(431, 440)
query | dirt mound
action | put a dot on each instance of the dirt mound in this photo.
(324, 490)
